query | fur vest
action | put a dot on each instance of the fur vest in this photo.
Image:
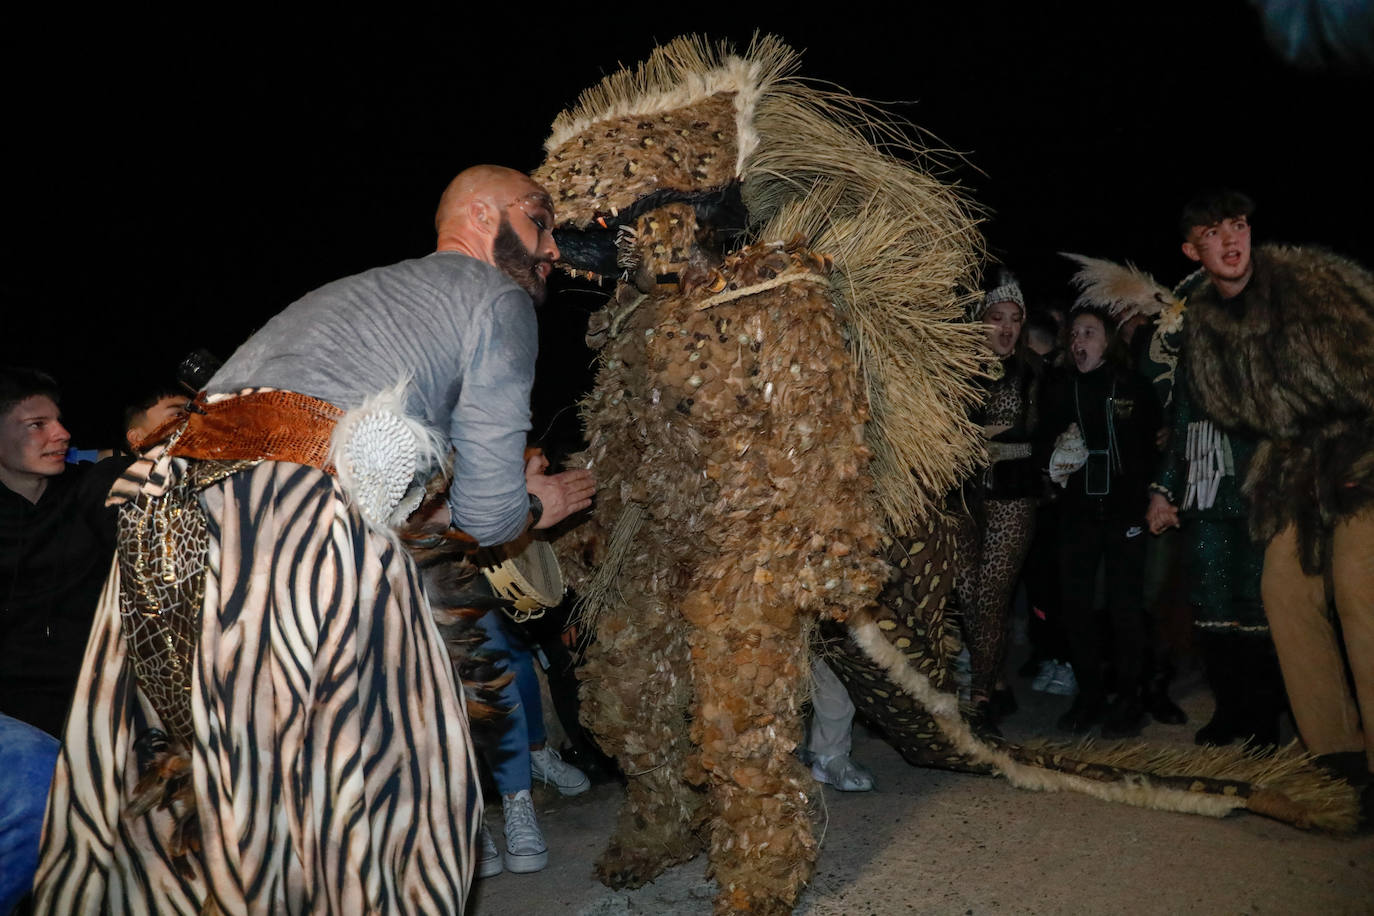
(1290, 360)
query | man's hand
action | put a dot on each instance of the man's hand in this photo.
(562, 494)
(1161, 514)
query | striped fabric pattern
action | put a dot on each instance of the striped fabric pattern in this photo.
(333, 771)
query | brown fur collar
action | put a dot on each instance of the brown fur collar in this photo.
(1291, 360)
(1293, 351)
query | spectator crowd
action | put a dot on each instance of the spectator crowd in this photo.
(1218, 447)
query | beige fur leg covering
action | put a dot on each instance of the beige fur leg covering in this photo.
(636, 688)
(749, 662)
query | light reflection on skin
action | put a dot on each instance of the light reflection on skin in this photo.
(33, 446)
(1002, 322)
(1223, 250)
(1087, 341)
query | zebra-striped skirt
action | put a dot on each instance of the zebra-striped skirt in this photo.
(332, 767)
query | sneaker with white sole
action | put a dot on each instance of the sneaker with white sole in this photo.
(489, 865)
(1044, 674)
(1063, 684)
(526, 850)
(549, 768)
(842, 773)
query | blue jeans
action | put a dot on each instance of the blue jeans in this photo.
(27, 758)
(525, 723)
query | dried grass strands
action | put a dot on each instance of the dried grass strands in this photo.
(682, 73)
(1215, 781)
(906, 251)
(864, 191)
(603, 589)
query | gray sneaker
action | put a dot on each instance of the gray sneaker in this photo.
(842, 773)
(525, 848)
(549, 768)
(489, 865)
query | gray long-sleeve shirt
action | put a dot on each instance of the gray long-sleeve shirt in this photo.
(464, 332)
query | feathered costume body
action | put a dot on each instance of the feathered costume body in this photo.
(782, 401)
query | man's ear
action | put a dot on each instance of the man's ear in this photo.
(134, 434)
(1190, 252)
(484, 216)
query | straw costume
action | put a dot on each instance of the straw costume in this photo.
(782, 400)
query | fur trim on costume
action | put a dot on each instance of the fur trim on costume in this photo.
(684, 76)
(1286, 786)
(853, 183)
(1290, 360)
(457, 601)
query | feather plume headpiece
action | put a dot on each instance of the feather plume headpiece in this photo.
(852, 181)
(1123, 289)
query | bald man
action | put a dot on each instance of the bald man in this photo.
(314, 719)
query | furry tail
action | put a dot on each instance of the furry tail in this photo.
(165, 782)
(1287, 786)
(458, 597)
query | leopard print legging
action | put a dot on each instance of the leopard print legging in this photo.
(990, 558)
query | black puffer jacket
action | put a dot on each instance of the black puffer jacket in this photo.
(1089, 399)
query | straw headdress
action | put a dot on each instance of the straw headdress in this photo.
(698, 119)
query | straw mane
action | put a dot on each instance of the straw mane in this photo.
(855, 182)
(906, 247)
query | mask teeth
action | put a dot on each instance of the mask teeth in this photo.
(586, 274)
(626, 256)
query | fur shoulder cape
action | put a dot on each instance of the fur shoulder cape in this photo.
(1290, 360)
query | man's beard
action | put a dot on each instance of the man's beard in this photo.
(517, 262)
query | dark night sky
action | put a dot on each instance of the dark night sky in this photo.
(173, 185)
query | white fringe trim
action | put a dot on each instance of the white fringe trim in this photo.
(944, 708)
(637, 93)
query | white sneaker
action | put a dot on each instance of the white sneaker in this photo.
(525, 847)
(1063, 684)
(547, 767)
(1044, 674)
(489, 865)
(842, 773)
